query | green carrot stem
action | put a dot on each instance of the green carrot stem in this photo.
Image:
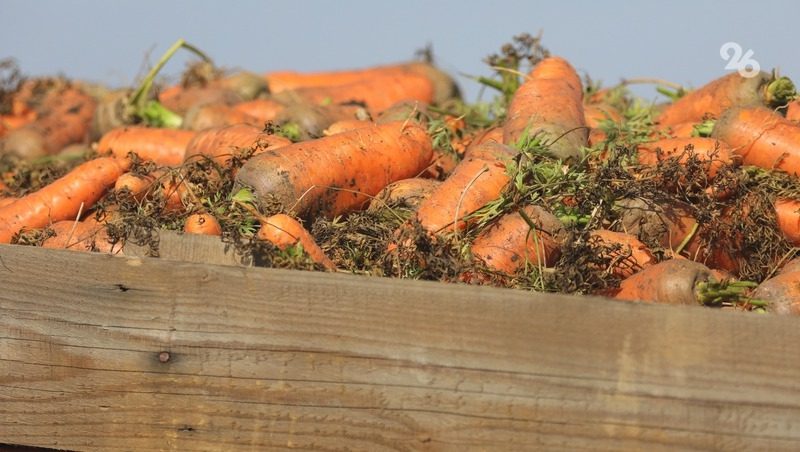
(780, 92)
(687, 239)
(138, 100)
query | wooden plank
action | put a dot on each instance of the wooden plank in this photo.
(190, 248)
(100, 352)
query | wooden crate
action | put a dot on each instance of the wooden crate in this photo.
(136, 353)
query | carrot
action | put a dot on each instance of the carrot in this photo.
(791, 266)
(344, 125)
(442, 164)
(337, 174)
(508, 244)
(781, 292)
(377, 93)
(202, 223)
(793, 111)
(732, 90)
(284, 231)
(761, 137)
(205, 116)
(549, 104)
(627, 254)
(63, 120)
(680, 282)
(4, 201)
(596, 114)
(309, 120)
(137, 184)
(491, 135)
(444, 86)
(596, 136)
(407, 193)
(15, 121)
(181, 101)
(62, 199)
(163, 146)
(223, 143)
(708, 151)
(246, 85)
(262, 109)
(87, 235)
(787, 212)
(476, 181)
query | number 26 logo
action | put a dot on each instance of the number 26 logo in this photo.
(745, 65)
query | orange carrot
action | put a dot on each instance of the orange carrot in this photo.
(337, 174)
(476, 181)
(761, 137)
(628, 255)
(243, 85)
(404, 193)
(732, 90)
(202, 223)
(710, 152)
(549, 104)
(138, 185)
(507, 245)
(596, 114)
(787, 212)
(63, 120)
(284, 231)
(377, 93)
(262, 109)
(677, 282)
(596, 136)
(793, 111)
(64, 198)
(444, 86)
(163, 146)
(442, 164)
(87, 235)
(781, 292)
(15, 121)
(205, 116)
(223, 143)
(344, 125)
(182, 100)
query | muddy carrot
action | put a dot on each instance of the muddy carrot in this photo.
(761, 137)
(376, 93)
(732, 90)
(711, 153)
(262, 109)
(479, 179)
(284, 231)
(407, 193)
(681, 282)
(64, 119)
(511, 242)
(337, 174)
(207, 116)
(162, 146)
(223, 143)
(64, 198)
(549, 104)
(627, 254)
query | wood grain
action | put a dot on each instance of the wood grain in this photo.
(125, 353)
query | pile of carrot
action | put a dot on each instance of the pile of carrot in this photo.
(562, 185)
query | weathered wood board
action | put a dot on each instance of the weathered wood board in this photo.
(132, 353)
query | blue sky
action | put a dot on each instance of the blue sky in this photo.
(110, 41)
